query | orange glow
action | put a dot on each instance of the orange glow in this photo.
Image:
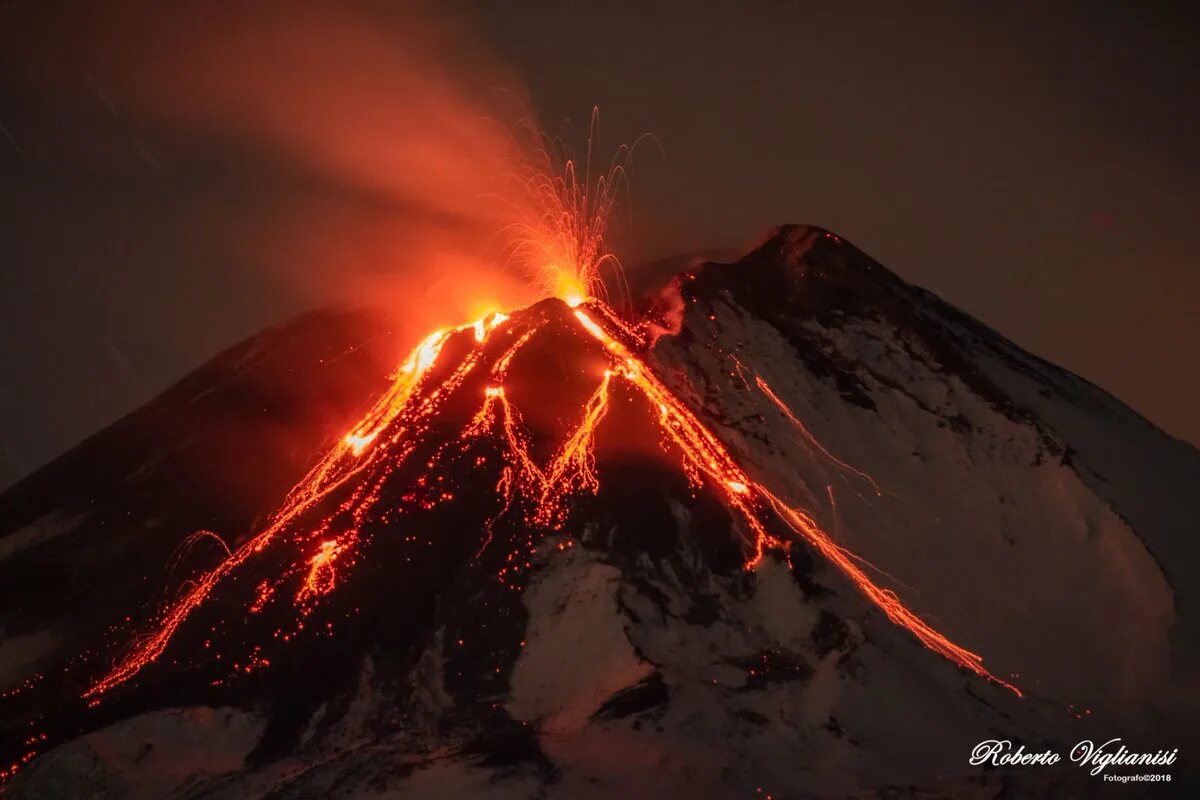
(383, 440)
(321, 578)
(334, 470)
(358, 443)
(567, 287)
(569, 231)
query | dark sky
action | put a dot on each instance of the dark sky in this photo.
(1035, 166)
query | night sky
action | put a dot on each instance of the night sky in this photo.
(175, 179)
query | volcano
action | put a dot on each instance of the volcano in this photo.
(787, 527)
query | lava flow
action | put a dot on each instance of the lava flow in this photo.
(391, 430)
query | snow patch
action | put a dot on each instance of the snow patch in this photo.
(576, 652)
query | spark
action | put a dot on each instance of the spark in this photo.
(560, 208)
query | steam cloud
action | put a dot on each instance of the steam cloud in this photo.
(390, 123)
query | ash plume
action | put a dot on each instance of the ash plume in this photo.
(200, 171)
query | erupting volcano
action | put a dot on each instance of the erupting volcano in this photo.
(367, 439)
(559, 524)
(322, 523)
(460, 403)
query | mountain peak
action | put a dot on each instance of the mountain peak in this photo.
(550, 557)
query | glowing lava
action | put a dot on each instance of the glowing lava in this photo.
(394, 414)
(560, 214)
(387, 435)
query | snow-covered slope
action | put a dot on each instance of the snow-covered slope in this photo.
(1025, 513)
(1023, 507)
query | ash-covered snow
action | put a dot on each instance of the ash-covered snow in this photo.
(976, 519)
(160, 754)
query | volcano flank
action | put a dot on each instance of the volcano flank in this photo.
(733, 543)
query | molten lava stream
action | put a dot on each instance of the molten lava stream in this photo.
(704, 455)
(385, 438)
(811, 440)
(379, 437)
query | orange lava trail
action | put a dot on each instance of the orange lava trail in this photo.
(812, 441)
(389, 431)
(705, 455)
(703, 452)
(335, 468)
(570, 470)
(573, 468)
(525, 472)
(321, 577)
(886, 599)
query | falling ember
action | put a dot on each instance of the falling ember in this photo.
(321, 577)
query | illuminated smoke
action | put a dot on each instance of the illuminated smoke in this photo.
(389, 147)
